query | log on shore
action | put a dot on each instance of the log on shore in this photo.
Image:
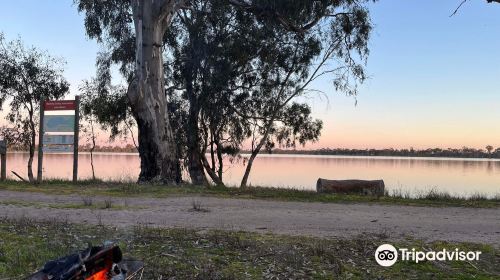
(375, 187)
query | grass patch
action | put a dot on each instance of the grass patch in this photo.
(196, 206)
(26, 245)
(107, 204)
(87, 201)
(119, 189)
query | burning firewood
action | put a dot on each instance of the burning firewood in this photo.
(94, 263)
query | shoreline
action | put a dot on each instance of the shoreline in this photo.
(303, 155)
(432, 198)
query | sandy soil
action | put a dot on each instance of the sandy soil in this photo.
(295, 218)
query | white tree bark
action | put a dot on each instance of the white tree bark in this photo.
(157, 149)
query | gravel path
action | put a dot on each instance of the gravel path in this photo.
(295, 218)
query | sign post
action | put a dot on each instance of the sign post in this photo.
(40, 142)
(3, 154)
(54, 130)
(75, 143)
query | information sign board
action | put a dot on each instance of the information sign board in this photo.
(59, 105)
(58, 133)
(57, 148)
(59, 123)
(58, 139)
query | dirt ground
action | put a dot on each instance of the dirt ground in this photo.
(293, 218)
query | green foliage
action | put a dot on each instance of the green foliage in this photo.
(299, 126)
(235, 69)
(108, 105)
(26, 76)
(110, 23)
(242, 70)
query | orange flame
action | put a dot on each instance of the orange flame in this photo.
(101, 275)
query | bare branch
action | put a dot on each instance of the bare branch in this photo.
(463, 2)
(131, 135)
(458, 8)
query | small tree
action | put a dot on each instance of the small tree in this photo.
(89, 119)
(101, 105)
(27, 75)
(489, 148)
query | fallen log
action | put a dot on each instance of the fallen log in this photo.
(19, 176)
(375, 187)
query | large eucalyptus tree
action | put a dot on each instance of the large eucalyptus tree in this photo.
(142, 24)
(133, 32)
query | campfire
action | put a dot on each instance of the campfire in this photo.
(94, 263)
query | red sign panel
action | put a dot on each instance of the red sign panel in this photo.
(60, 105)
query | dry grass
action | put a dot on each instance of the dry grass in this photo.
(196, 206)
(127, 190)
(87, 201)
(108, 203)
(25, 245)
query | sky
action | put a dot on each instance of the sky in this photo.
(434, 80)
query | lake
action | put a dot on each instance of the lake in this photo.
(456, 176)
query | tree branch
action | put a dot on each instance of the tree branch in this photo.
(463, 2)
(167, 8)
(458, 8)
(131, 135)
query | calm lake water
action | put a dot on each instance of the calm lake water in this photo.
(457, 176)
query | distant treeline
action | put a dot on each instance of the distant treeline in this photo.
(129, 148)
(107, 149)
(464, 152)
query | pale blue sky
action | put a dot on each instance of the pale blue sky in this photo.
(434, 80)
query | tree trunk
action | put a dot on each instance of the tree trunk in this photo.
(244, 181)
(212, 153)
(219, 159)
(31, 178)
(254, 154)
(195, 166)
(92, 162)
(92, 150)
(210, 172)
(208, 169)
(157, 149)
